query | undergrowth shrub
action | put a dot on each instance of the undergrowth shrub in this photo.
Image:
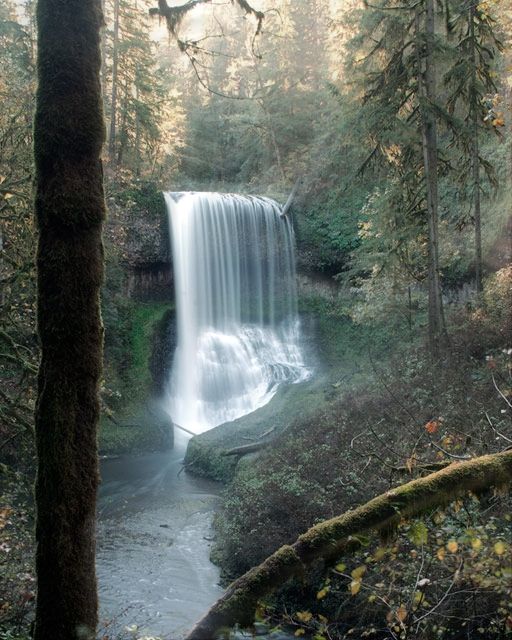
(448, 575)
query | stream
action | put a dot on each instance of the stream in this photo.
(154, 532)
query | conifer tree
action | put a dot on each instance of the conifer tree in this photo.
(469, 79)
(400, 112)
(138, 100)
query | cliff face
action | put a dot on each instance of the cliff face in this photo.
(138, 231)
(147, 258)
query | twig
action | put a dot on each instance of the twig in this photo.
(440, 602)
(263, 435)
(501, 435)
(501, 392)
(447, 453)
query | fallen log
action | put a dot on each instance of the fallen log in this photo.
(326, 540)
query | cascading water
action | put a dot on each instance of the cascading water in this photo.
(238, 328)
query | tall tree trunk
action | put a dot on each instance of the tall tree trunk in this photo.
(70, 209)
(426, 81)
(104, 53)
(475, 153)
(113, 100)
(271, 128)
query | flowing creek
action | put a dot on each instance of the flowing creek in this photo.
(154, 532)
(239, 340)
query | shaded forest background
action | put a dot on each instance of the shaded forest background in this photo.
(331, 94)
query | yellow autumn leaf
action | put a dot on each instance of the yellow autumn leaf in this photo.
(401, 613)
(300, 632)
(438, 517)
(452, 546)
(340, 567)
(380, 553)
(457, 506)
(476, 543)
(355, 587)
(304, 616)
(499, 548)
(322, 593)
(441, 553)
(358, 572)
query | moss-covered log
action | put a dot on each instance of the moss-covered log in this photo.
(327, 540)
(68, 138)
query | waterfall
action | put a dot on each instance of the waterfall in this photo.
(236, 304)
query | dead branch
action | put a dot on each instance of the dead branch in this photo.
(245, 449)
(291, 197)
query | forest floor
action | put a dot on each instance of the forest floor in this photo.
(395, 416)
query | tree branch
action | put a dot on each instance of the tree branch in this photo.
(174, 15)
(291, 197)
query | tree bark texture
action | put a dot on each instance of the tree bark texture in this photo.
(329, 539)
(70, 209)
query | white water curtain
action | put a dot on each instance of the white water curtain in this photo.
(238, 327)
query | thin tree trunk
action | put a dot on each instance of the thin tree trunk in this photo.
(329, 539)
(70, 209)
(426, 81)
(123, 133)
(113, 101)
(104, 51)
(138, 151)
(475, 155)
(271, 128)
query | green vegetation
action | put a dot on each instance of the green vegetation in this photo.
(127, 424)
(402, 419)
(395, 116)
(339, 535)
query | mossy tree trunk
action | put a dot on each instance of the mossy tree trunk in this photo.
(68, 138)
(329, 539)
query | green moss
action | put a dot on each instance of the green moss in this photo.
(146, 435)
(144, 319)
(130, 383)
